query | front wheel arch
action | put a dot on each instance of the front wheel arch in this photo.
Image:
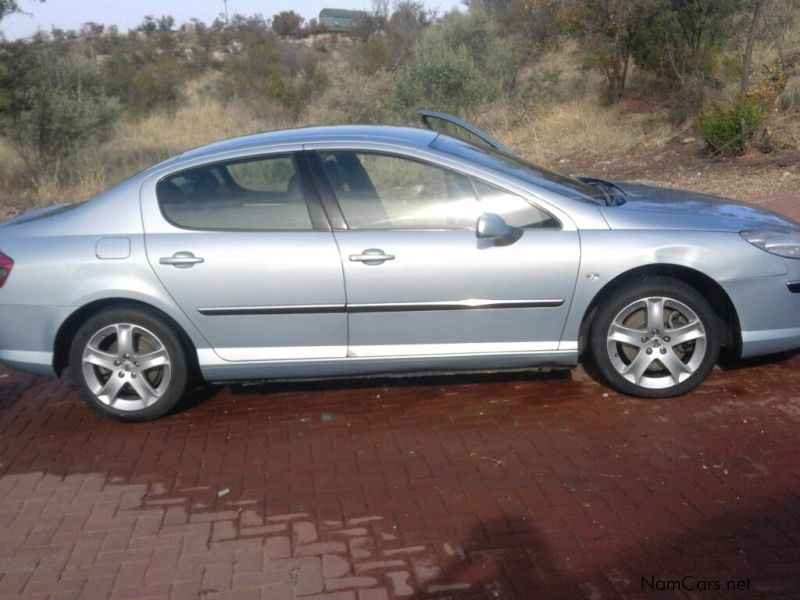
(718, 298)
(68, 329)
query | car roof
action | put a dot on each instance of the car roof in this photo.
(307, 135)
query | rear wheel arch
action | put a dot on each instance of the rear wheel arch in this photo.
(718, 298)
(67, 330)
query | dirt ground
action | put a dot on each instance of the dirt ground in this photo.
(688, 166)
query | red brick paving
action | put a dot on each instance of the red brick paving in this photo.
(510, 486)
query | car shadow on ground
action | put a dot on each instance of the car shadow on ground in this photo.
(741, 552)
(728, 361)
(207, 391)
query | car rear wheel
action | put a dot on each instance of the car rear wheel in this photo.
(656, 338)
(128, 364)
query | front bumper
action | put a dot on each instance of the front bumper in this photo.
(769, 313)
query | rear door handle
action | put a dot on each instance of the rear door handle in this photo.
(181, 260)
(371, 256)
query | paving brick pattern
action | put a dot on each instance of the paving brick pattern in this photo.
(491, 487)
(510, 486)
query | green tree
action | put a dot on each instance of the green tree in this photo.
(681, 41)
(56, 104)
(8, 7)
(758, 6)
(532, 26)
(287, 24)
(609, 30)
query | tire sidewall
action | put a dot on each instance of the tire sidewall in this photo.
(162, 330)
(667, 288)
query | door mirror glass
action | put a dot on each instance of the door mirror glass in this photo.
(493, 227)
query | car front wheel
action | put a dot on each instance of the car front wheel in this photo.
(656, 338)
(128, 364)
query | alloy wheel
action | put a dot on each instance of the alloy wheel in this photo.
(656, 342)
(126, 366)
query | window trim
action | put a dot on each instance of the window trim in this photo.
(316, 212)
(339, 223)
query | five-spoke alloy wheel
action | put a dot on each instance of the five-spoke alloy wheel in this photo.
(656, 338)
(128, 363)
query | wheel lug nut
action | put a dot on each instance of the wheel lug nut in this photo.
(645, 339)
(649, 350)
(133, 374)
(121, 374)
(663, 350)
(666, 338)
(127, 356)
(136, 362)
(117, 363)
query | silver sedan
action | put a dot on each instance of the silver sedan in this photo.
(358, 250)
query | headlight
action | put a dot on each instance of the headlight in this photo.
(785, 244)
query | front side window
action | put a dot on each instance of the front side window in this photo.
(516, 167)
(262, 193)
(379, 191)
(516, 211)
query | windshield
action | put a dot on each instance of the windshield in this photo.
(516, 167)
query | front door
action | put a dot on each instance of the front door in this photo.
(246, 253)
(419, 281)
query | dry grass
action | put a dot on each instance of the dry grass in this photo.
(581, 127)
(10, 167)
(567, 129)
(133, 146)
(200, 121)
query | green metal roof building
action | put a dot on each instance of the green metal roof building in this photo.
(340, 19)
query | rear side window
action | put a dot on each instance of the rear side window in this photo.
(263, 193)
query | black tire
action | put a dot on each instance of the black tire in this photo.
(612, 357)
(147, 328)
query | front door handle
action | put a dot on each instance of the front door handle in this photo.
(181, 260)
(371, 256)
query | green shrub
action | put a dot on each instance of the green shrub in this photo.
(354, 98)
(266, 76)
(729, 129)
(144, 81)
(498, 55)
(442, 77)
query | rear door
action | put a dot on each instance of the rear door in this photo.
(244, 248)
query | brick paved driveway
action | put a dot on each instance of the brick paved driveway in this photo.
(512, 486)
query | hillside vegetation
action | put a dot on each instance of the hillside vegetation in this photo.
(703, 94)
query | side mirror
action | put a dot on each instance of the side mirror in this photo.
(493, 227)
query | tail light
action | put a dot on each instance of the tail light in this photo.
(6, 264)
